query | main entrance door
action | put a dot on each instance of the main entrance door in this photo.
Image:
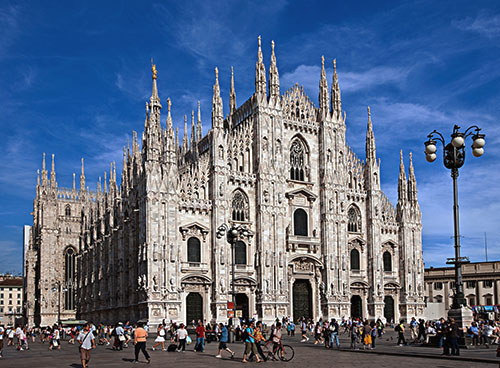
(356, 307)
(389, 308)
(242, 305)
(194, 308)
(302, 299)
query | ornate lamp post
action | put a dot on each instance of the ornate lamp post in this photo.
(454, 158)
(233, 233)
(57, 287)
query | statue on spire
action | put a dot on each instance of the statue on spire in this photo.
(336, 103)
(274, 77)
(324, 97)
(260, 73)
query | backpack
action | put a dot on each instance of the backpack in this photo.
(244, 335)
(397, 328)
(172, 347)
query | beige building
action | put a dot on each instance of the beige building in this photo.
(11, 299)
(326, 240)
(481, 284)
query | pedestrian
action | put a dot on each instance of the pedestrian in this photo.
(452, 337)
(374, 333)
(367, 335)
(400, 329)
(292, 328)
(413, 329)
(55, 341)
(334, 333)
(119, 336)
(2, 332)
(223, 340)
(250, 343)
(200, 337)
(303, 327)
(160, 338)
(86, 340)
(260, 339)
(182, 334)
(140, 337)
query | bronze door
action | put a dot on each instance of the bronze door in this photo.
(356, 307)
(389, 308)
(302, 299)
(194, 308)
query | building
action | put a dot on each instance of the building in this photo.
(11, 299)
(481, 284)
(326, 241)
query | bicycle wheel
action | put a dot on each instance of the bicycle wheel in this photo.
(268, 351)
(287, 353)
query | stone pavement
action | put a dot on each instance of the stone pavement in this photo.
(387, 354)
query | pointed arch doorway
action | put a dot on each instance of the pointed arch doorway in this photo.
(302, 299)
(356, 307)
(194, 308)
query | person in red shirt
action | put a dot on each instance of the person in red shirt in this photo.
(200, 337)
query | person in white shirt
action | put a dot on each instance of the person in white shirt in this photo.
(86, 340)
(55, 343)
(10, 335)
(119, 337)
(2, 331)
(182, 334)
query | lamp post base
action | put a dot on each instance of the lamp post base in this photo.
(463, 316)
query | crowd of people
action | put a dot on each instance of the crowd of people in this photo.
(174, 336)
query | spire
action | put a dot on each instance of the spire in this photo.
(53, 182)
(74, 182)
(370, 140)
(155, 100)
(44, 172)
(169, 116)
(177, 138)
(232, 95)
(336, 102)
(402, 180)
(105, 183)
(124, 171)
(274, 77)
(199, 131)
(217, 116)
(324, 98)
(82, 179)
(193, 130)
(38, 177)
(99, 185)
(185, 138)
(412, 183)
(260, 73)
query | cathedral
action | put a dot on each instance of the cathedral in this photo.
(322, 240)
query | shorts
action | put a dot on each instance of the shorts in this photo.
(85, 354)
(250, 347)
(222, 345)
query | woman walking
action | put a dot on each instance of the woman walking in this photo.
(182, 334)
(160, 338)
(140, 337)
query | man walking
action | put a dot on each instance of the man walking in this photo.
(200, 337)
(140, 337)
(86, 340)
(224, 336)
(400, 329)
(334, 333)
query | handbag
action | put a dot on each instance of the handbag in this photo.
(121, 337)
(55, 343)
(188, 340)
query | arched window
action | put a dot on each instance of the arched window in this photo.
(355, 260)
(67, 211)
(353, 220)
(300, 222)
(69, 278)
(387, 261)
(194, 250)
(240, 253)
(240, 206)
(297, 160)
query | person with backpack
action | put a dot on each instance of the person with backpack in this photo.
(86, 340)
(334, 333)
(400, 329)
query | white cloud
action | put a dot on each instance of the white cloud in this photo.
(485, 24)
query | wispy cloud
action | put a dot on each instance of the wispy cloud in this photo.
(9, 24)
(485, 24)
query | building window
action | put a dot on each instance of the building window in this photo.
(470, 284)
(489, 300)
(67, 211)
(353, 220)
(387, 261)
(472, 301)
(487, 283)
(18, 302)
(240, 206)
(452, 284)
(69, 278)
(300, 222)
(194, 250)
(10, 295)
(438, 286)
(1, 309)
(297, 160)
(240, 253)
(355, 260)
(438, 299)
(10, 302)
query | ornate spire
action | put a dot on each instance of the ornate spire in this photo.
(38, 177)
(105, 183)
(274, 77)
(260, 73)
(74, 182)
(53, 182)
(124, 171)
(177, 138)
(193, 130)
(336, 102)
(199, 131)
(44, 172)
(402, 180)
(185, 143)
(324, 97)
(370, 140)
(217, 115)
(412, 183)
(155, 100)
(232, 95)
(82, 178)
(169, 116)
(99, 185)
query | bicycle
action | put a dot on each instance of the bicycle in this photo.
(276, 351)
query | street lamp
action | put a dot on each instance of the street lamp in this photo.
(233, 234)
(57, 287)
(453, 159)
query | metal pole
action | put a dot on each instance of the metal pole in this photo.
(458, 298)
(232, 282)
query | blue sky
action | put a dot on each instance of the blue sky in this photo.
(74, 78)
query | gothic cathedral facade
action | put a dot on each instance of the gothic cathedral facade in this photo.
(323, 240)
